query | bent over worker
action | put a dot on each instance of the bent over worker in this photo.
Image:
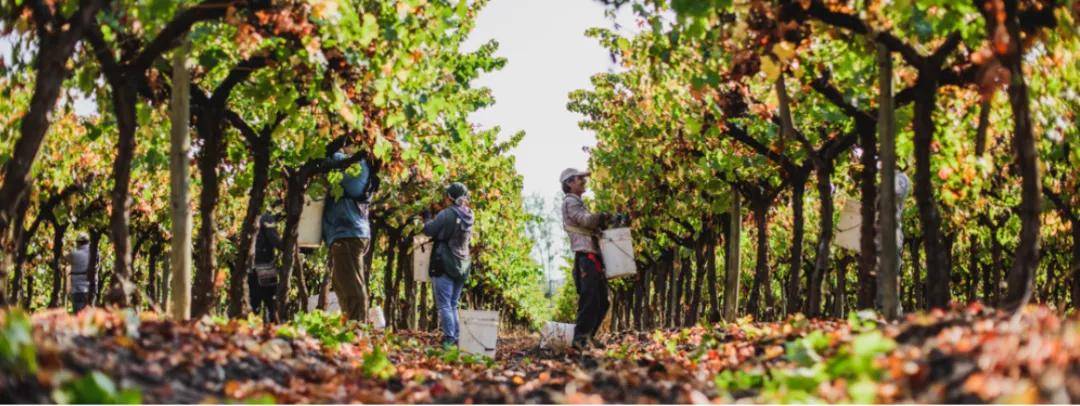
(589, 278)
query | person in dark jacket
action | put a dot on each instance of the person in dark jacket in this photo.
(347, 231)
(451, 230)
(263, 279)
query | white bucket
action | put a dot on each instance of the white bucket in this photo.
(331, 303)
(310, 227)
(421, 258)
(376, 318)
(617, 248)
(847, 229)
(556, 335)
(479, 331)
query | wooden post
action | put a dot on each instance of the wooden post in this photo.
(732, 264)
(179, 184)
(888, 260)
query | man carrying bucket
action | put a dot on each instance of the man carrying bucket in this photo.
(589, 279)
(451, 230)
(347, 231)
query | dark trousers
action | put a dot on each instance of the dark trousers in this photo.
(592, 290)
(262, 298)
(79, 300)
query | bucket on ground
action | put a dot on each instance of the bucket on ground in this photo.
(310, 227)
(617, 248)
(421, 257)
(376, 318)
(556, 335)
(479, 331)
(331, 303)
(847, 229)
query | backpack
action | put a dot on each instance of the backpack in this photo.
(266, 275)
(444, 262)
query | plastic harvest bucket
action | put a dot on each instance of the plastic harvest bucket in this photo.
(847, 229)
(310, 227)
(479, 331)
(617, 248)
(556, 335)
(421, 258)
(332, 305)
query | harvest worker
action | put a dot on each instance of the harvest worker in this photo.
(263, 280)
(348, 233)
(589, 278)
(451, 231)
(79, 275)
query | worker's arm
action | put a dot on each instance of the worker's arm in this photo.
(355, 186)
(275, 239)
(433, 227)
(576, 211)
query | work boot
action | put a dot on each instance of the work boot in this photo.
(579, 345)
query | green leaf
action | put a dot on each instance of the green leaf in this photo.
(368, 30)
(95, 388)
(17, 351)
(692, 8)
(871, 344)
(211, 58)
(382, 148)
(377, 365)
(863, 391)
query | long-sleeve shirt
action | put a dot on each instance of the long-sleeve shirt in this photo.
(80, 269)
(347, 217)
(577, 216)
(267, 243)
(453, 227)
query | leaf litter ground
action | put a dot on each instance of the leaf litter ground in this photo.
(969, 354)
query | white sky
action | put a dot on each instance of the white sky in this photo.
(548, 56)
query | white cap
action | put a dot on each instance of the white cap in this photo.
(569, 173)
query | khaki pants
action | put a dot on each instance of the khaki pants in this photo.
(347, 267)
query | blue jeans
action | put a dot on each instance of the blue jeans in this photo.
(447, 293)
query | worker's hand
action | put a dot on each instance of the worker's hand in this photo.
(606, 219)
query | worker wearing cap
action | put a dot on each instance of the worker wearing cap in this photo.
(589, 279)
(451, 230)
(79, 274)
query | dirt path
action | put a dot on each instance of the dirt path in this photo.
(968, 355)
